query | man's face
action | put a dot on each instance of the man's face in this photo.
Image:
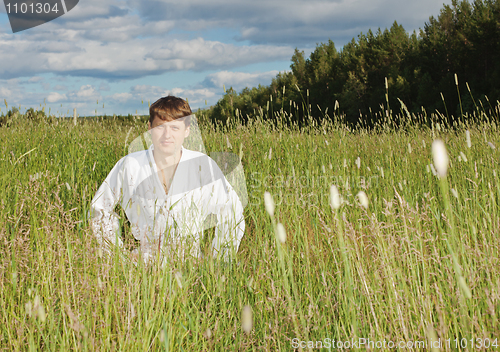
(168, 136)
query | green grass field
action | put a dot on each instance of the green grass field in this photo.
(420, 263)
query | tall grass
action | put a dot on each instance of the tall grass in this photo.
(382, 272)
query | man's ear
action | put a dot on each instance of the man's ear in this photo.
(188, 130)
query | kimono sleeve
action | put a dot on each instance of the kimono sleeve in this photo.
(105, 222)
(230, 226)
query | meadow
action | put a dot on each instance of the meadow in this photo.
(414, 263)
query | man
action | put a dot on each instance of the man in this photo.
(167, 192)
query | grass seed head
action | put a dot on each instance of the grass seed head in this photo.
(363, 199)
(38, 309)
(269, 203)
(29, 308)
(441, 159)
(178, 278)
(246, 319)
(431, 334)
(464, 158)
(281, 233)
(467, 138)
(464, 287)
(241, 151)
(335, 202)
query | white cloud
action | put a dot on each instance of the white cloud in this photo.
(55, 97)
(114, 39)
(121, 97)
(86, 91)
(11, 91)
(120, 40)
(197, 97)
(296, 22)
(131, 59)
(85, 94)
(60, 87)
(199, 54)
(103, 9)
(239, 80)
(35, 79)
(5, 92)
(140, 95)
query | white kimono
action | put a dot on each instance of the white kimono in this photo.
(173, 222)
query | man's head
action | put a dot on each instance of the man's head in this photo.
(169, 124)
(169, 109)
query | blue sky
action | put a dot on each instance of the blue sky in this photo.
(125, 53)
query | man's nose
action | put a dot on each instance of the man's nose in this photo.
(167, 133)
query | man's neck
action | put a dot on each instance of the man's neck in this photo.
(166, 161)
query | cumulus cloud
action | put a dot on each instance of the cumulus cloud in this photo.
(145, 90)
(114, 39)
(85, 94)
(294, 22)
(55, 97)
(103, 87)
(133, 59)
(21, 93)
(199, 54)
(60, 87)
(140, 95)
(238, 80)
(11, 90)
(5, 92)
(144, 93)
(110, 42)
(35, 79)
(121, 97)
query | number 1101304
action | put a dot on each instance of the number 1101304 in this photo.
(32, 8)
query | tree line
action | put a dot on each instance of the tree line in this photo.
(452, 65)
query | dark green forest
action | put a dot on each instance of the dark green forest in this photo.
(378, 71)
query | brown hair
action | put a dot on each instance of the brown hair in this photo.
(170, 108)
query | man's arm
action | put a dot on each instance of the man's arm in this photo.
(230, 221)
(104, 221)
